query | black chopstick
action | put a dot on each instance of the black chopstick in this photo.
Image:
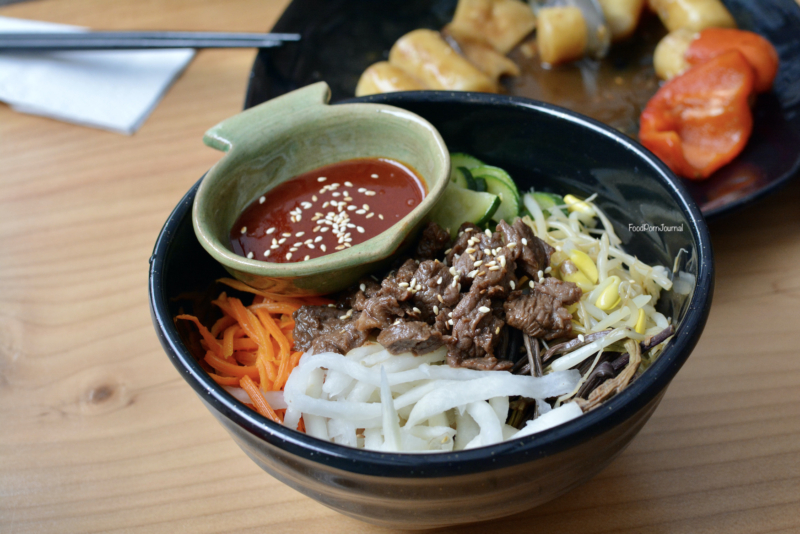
(29, 42)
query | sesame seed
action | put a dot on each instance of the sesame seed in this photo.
(315, 229)
(403, 284)
(298, 244)
(324, 229)
(524, 241)
(266, 253)
(478, 263)
(244, 229)
(360, 212)
(503, 261)
(488, 233)
(439, 281)
(360, 229)
(275, 245)
(512, 245)
(326, 204)
(281, 241)
(262, 199)
(362, 189)
(348, 184)
(293, 249)
(299, 234)
(470, 251)
(306, 204)
(548, 270)
(323, 248)
(348, 198)
(335, 194)
(365, 207)
(321, 179)
(314, 198)
(440, 298)
(415, 310)
(512, 284)
(348, 245)
(270, 230)
(448, 251)
(374, 176)
(310, 245)
(468, 230)
(491, 263)
(351, 208)
(306, 258)
(250, 255)
(494, 268)
(362, 287)
(484, 309)
(287, 234)
(318, 239)
(288, 255)
(436, 310)
(530, 283)
(497, 330)
(380, 216)
(581, 338)
(480, 274)
(450, 322)
(541, 275)
(370, 215)
(370, 193)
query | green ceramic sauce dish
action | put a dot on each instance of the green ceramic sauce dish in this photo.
(296, 133)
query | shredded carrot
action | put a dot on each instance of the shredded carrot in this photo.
(225, 380)
(252, 346)
(261, 404)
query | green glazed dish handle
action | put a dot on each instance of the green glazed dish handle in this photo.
(250, 123)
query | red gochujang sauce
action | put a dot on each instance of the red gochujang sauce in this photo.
(326, 210)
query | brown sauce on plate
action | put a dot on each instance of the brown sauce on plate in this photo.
(325, 210)
(613, 90)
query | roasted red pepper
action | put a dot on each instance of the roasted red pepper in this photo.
(759, 52)
(699, 121)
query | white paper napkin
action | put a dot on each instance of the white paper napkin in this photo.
(112, 90)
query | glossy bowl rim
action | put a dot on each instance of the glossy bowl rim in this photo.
(483, 459)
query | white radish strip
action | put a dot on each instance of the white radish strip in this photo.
(553, 418)
(500, 406)
(239, 394)
(391, 422)
(373, 439)
(292, 418)
(571, 359)
(466, 430)
(359, 353)
(495, 384)
(491, 428)
(342, 432)
(543, 406)
(440, 419)
(361, 392)
(660, 320)
(431, 432)
(538, 216)
(376, 358)
(336, 382)
(315, 426)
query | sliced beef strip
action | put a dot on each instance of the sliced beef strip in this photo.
(342, 339)
(465, 232)
(440, 324)
(432, 242)
(534, 254)
(434, 287)
(396, 284)
(476, 330)
(357, 296)
(487, 363)
(476, 256)
(567, 292)
(379, 312)
(410, 336)
(538, 314)
(321, 329)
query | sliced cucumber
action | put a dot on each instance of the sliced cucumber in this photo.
(497, 172)
(459, 205)
(547, 201)
(459, 159)
(509, 198)
(462, 177)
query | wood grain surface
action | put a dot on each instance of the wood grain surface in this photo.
(98, 433)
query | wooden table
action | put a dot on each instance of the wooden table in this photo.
(98, 433)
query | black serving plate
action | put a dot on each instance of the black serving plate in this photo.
(541, 146)
(341, 38)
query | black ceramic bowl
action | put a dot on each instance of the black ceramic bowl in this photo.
(541, 146)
